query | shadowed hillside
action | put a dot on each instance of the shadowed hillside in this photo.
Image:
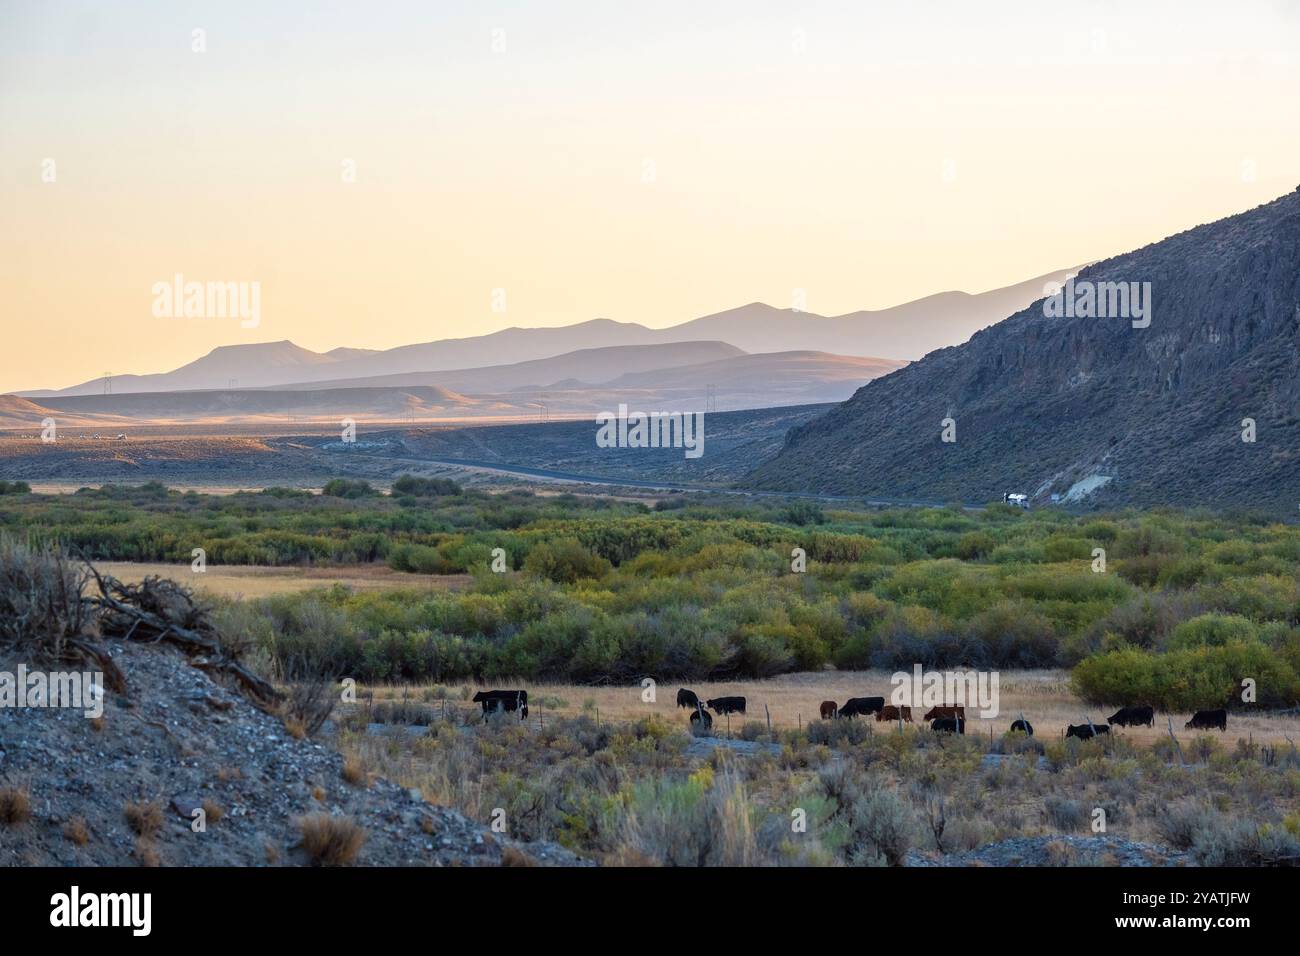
(1140, 415)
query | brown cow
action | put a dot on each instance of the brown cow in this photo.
(829, 709)
(891, 712)
(946, 711)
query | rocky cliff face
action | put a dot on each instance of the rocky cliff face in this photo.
(1131, 415)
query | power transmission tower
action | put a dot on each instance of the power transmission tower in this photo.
(108, 383)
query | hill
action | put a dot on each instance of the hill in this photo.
(18, 412)
(581, 367)
(523, 391)
(905, 331)
(1097, 409)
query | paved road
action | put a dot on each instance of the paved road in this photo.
(549, 475)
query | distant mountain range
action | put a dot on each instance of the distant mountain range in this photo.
(684, 376)
(1097, 409)
(903, 332)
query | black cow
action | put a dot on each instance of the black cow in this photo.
(499, 700)
(1208, 719)
(1085, 731)
(1024, 726)
(1133, 717)
(945, 710)
(700, 717)
(949, 725)
(687, 698)
(727, 705)
(862, 706)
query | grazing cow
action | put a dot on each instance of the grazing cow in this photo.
(892, 712)
(1207, 719)
(946, 711)
(700, 718)
(829, 709)
(863, 706)
(498, 700)
(1024, 726)
(949, 725)
(687, 698)
(1133, 717)
(727, 705)
(1086, 732)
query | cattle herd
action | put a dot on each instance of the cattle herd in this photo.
(942, 719)
(946, 718)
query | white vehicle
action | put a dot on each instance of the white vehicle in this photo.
(1016, 500)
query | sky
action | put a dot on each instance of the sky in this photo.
(398, 172)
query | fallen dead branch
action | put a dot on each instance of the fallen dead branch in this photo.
(158, 610)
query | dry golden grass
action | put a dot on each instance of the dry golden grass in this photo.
(144, 817)
(510, 856)
(1043, 696)
(76, 831)
(255, 581)
(354, 772)
(213, 811)
(146, 853)
(331, 841)
(15, 805)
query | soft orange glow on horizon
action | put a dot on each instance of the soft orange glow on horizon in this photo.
(647, 166)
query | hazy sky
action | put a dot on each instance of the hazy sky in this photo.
(642, 162)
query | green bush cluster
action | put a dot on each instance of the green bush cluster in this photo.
(598, 589)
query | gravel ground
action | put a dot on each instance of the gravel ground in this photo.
(178, 739)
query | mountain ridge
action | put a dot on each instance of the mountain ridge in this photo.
(907, 330)
(1094, 409)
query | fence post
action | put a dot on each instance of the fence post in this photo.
(769, 719)
(1177, 745)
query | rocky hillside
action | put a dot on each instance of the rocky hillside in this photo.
(177, 753)
(122, 790)
(1097, 409)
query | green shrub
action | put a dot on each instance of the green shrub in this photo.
(348, 488)
(1212, 630)
(565, 561)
